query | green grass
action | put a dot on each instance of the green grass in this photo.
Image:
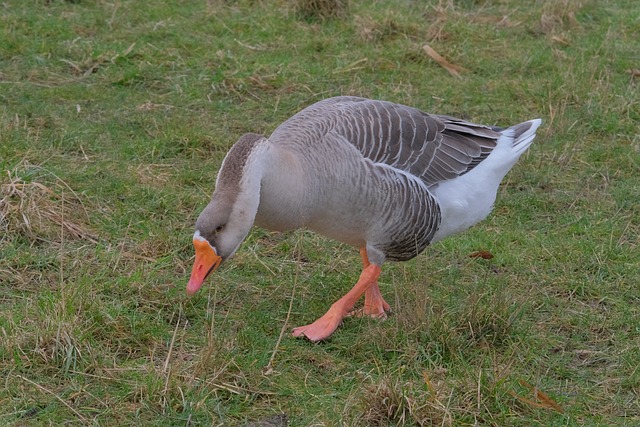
(114, 118)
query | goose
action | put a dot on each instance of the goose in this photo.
(386, 178)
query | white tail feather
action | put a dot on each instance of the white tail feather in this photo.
(524, 140)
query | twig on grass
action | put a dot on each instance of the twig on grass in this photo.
(167, 361)
(173, 340)
(78, 414)
(268, 370)
(453, 69)
(61, 254)
(116, 5)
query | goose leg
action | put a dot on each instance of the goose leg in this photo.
(374, 304)
(329, 322)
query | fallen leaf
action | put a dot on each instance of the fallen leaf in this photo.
(148, 106)
(560, 40)
(453, 69)
(427, 381)
(544, 400)
(635, 72)
(481, 254)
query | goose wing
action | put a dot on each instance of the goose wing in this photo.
(432, 147)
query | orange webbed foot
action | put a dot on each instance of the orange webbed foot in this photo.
(327, 324)
(375, 306)
(321, 328)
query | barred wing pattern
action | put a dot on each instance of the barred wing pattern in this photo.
(431, 147)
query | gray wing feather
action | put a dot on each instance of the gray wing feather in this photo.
(433, 148)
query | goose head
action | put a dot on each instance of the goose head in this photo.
(227, 219)
(211, 243)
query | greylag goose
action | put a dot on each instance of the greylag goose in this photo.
(386, 178)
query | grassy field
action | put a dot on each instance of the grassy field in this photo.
(114, 118)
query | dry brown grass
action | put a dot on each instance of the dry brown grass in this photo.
(322, 9)
(387, 401)
(558, 16)
(41, 210)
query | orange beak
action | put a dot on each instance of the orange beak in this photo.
(207, 261)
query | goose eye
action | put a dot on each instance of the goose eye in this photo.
(219, 228)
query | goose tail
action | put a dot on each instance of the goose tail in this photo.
(522, 135)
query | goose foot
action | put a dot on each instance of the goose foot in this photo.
(375, 306)
(329, 322)
(362, 312)
(321, 328)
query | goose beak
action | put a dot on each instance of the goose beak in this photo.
(207, 261)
